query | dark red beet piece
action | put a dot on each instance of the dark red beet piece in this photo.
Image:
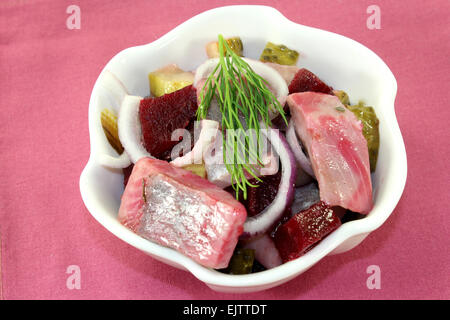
(304, 230)
(127, 173)
(304, 80)
(161, 116)
(258, 198)
(167, 155)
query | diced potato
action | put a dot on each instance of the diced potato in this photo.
(169, 79)
(279, 54)
(198, 169)
(212, 48)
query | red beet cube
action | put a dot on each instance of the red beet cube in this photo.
(258, 198)
(304, 80)
(262, 196)
(305, 229)
(161, 116)
(127, 173)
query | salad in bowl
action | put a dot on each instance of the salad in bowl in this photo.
(241, 164)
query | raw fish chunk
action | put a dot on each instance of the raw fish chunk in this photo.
(337, 149)
(180, 210)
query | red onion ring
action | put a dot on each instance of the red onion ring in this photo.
(295, 144)
(263, 221)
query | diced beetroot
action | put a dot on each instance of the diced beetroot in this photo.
(304, 230)
(304, 80)
(180, 210)
(339, 211)
(258, 198)
(127, 173)
(160, 116)
(262, 196)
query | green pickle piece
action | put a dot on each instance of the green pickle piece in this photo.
(241, 262)
(370, 130)
(279, 54)
(236, 45)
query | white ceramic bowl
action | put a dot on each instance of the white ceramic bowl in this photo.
(339, 61)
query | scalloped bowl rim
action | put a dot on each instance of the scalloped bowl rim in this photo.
(280, 274)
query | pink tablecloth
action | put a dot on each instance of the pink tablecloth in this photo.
(46, 74)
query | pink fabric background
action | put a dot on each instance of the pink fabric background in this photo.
(46, 76)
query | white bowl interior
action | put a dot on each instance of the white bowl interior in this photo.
(339, 61)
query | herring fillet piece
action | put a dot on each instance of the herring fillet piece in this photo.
(180, 210)
(337, 148)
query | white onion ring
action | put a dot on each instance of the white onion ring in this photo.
(263, 221)
(208, 133)
(295, 145)
(130, 131)
(273, 77)
(113, 86)
(111, 92)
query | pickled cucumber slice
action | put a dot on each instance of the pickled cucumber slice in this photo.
(370, 130)
(279, 54)
(108, 119)
(343, 96)
(235, 44)
(198, 169)
(241, 262)
(169, 79)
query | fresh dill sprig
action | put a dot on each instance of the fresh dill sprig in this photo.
(244, 100)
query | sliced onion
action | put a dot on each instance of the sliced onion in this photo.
(295, 144)
(130, 131)
(265, 251)
(111, 92)
(263, 221)
(204, 70)
(113, 88)
(208, 133)
(273, 77)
